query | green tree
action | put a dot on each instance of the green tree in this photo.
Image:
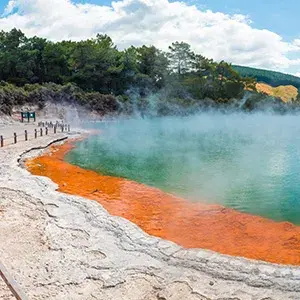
(10, 52)
(128, 66)
(31, 61)
(153, 63)
(181, 58)
(93, 62)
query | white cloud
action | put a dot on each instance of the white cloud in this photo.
(158, 22)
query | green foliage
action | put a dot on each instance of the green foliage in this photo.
(270, 77)
(264, 102)
(95, 74)
(36, 94)
(181, 58)
(154, 64)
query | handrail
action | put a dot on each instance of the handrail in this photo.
(12, 284)
(45, 130)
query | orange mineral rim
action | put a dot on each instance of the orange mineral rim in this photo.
(191, 225)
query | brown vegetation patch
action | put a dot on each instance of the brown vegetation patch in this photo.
(285, 92)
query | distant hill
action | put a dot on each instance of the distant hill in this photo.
(272, 78)
(285, 92)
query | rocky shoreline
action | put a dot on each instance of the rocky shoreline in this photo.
(59, 246)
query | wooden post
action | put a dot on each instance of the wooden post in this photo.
(1, 141)
(26, 135)
(46, 130)
(12, 284)
(41, 131)
(35, 133)
(15, 138)
(55, 129)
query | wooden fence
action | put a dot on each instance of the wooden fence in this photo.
(47, 128)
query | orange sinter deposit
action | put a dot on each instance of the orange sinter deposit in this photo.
(192, 225)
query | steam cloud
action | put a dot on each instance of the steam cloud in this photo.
(245, 161)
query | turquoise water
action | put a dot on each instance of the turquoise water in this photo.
(247, 162)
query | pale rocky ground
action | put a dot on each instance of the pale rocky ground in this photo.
(59, 246)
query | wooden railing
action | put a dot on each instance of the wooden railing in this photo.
(48, 129)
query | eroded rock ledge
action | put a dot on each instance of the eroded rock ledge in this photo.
(65, 247)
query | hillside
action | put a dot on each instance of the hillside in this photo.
(285, 92)
(272, 78)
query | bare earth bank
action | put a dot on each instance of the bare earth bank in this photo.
(65, 247)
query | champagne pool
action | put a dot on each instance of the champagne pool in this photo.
(218, 182)
(250, 163)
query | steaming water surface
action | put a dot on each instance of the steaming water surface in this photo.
(246, 162)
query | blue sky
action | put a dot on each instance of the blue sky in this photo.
(265, 34)
(279, 16)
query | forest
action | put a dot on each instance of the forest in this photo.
(95, 74)
(270, 77)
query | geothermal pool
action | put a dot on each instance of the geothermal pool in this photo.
(218, 182)
(250, 163)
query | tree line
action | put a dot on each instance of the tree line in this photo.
(130, 78)
(272, 78)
